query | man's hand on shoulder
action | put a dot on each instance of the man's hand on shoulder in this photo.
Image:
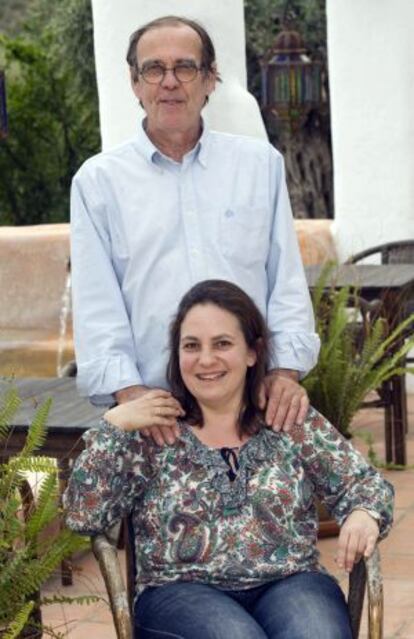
(161, 434)
(284, 399)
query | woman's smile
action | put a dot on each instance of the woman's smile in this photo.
(214, 356)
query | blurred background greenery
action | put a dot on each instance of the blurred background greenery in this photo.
(46, 50)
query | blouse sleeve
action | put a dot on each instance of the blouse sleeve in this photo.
(107, 477)
(343, 479)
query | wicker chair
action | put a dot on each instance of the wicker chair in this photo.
(365, 575)
(393, 394)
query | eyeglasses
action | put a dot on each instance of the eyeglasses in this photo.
(183, 72)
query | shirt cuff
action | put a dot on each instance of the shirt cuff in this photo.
(295, 351)
(100, 378)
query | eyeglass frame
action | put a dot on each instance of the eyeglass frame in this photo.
(196, 68)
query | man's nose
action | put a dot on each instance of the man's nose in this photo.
(169, 80)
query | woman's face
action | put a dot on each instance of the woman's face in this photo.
(214, 356)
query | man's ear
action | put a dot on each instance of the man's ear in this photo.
(211, 79)
(134, 80)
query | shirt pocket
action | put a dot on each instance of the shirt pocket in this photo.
(245, 233)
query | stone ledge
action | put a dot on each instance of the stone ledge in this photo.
(33, 262)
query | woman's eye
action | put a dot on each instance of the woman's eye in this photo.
(223, 343)
(190, 346)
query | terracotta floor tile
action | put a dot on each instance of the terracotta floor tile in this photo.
(93, 630)
(407, 631)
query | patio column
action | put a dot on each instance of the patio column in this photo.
(231, 107)
(370, 52)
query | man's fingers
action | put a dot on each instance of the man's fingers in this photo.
(303, 409)
(146, 432)
(262, 396)
(273, 403)
(168, 434)
(292, 414)
(157, 436)
(282, 410)
(158, 393)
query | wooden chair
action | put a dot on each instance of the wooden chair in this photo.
(365, 575)
(393, 394)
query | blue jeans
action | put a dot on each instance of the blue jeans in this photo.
(307, 605)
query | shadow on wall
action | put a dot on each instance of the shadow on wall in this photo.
(35, 322)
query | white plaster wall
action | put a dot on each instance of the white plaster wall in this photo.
(231, 107)
(371, 70)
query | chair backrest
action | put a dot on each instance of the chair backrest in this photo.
(401, 252)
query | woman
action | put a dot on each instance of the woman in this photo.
(224, 519)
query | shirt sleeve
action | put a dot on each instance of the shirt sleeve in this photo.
(290, 318)
(343, 479)
(104, 346)
(107, 477)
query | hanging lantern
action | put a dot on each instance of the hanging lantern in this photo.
(291, 83)
(3, 111)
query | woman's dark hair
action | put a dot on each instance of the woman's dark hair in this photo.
(208, 53)
(232, 299)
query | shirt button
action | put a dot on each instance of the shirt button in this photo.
(229, 213)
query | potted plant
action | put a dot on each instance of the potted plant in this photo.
(358, 354)
(28, 556)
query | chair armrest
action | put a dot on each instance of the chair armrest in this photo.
(106, 554)
(367, 573)
(375, 596)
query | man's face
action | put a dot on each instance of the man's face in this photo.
(172, 105)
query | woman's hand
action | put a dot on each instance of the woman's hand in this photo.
(154, 408)
(357, 538)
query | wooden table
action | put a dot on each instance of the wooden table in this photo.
(393, 284)
(382, 281)
(70, 416)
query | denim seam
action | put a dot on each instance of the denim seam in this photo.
(161, 633)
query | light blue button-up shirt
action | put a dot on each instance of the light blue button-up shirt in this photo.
(145, 228)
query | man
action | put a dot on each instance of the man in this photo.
(175, 205)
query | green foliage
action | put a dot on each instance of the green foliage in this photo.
(52, 108)
(28, 557)
(354, 358)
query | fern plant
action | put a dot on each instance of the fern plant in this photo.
(351, 363)
(27, 558)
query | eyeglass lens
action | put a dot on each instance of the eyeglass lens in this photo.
(184, 72)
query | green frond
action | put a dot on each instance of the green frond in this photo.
(356, 357)
(28, 556)
(46, 506)
(83, 600)
(36, 434)
(11, 527)
(36, 464)
(10, 406)
(16, 626)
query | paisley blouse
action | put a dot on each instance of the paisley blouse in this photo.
(192, 523)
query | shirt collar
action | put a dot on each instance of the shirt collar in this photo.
(152, 154)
